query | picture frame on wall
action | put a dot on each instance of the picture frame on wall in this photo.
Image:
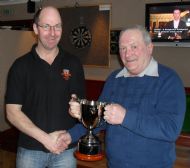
(114, 42)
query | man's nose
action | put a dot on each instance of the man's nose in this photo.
(52, 30)
(128, 52)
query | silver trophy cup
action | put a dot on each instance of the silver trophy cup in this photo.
(89, 145)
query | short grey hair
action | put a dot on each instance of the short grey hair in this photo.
(145, 34)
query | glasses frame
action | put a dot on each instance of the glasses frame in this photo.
(47, 27)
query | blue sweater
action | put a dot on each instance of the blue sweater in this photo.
(155, 113)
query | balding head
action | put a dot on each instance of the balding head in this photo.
(47, 11)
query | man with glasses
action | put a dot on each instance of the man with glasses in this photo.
(38, 91)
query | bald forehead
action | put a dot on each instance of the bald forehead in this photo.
(50, 11)
(49, 8)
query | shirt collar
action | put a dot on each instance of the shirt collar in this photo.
(176, 23)
(150, 70)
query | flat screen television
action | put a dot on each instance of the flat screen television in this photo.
(159, 22)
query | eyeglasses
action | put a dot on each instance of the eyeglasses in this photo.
(47, 27)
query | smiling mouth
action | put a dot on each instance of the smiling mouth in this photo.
(129, 61)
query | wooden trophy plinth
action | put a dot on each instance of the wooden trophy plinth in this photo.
(90, 158)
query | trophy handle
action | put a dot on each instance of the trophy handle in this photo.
(101, 113)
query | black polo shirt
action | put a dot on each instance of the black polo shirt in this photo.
(44, 91)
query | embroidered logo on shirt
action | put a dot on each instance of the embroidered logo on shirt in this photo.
(66, 74)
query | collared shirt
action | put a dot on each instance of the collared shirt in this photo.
(44, 91)
(150, 70)
(176, 23)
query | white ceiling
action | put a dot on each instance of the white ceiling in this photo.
(11, 2)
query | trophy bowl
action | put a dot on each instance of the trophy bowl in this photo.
(89, 145)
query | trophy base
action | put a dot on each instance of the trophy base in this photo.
(86, 157)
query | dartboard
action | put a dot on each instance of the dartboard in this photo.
(81, 37)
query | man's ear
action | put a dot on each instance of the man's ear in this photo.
(35, 28)
(150, 48)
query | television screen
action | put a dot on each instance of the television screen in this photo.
(169, 22)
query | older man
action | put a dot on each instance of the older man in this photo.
(147, 107)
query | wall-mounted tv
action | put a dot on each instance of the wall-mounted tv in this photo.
(159, 21)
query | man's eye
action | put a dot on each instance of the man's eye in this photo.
(46, 26)
(122, 49)
(134, 47)
(58, 26)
